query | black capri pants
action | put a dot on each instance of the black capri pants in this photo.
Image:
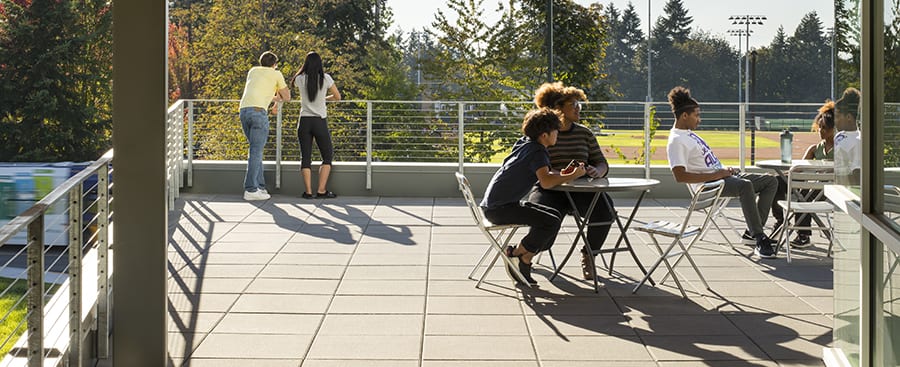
(309, 128)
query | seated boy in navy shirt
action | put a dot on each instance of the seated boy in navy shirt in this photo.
(528, 163)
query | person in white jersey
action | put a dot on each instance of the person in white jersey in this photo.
(847, 141)
(315, 87)
(693, 162)
(264, 84)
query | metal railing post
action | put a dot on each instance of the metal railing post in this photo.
(278, 144)
(647, 124)
(75, 272)
(190, 144)
(35, 313)
(742, 128)
(462, 136)
(368, 145)
(102, 334)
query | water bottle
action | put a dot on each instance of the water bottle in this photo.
(786, 141)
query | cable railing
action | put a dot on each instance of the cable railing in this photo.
(462, 132)
(55, 283)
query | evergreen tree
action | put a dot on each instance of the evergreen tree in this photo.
(810, 62)
(634, 76)
(675, 26)
(773, 69)
(55, 80)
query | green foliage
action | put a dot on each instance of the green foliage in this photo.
(642, 156)
(55, 80)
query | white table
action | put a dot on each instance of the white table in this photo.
(598, 187)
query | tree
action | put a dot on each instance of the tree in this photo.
(773, 69)
(55, 80)
(675, 26)
(810, 60)
(626, 55)
(847, 42)
(579, 56)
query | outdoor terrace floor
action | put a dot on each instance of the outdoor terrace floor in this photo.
(378, 281)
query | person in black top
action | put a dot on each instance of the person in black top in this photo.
(575, 142)
(527, 164)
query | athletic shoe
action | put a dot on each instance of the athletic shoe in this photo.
(256, 195)
(801, 241)
(747, 239)
(764, 248)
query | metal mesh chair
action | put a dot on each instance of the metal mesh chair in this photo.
(813, 179)
(498, 235)
(705, 201)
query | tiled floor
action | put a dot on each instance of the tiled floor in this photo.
(368, 281)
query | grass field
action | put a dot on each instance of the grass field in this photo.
(8, 324)
(630, 142)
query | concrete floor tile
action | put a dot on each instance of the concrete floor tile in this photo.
(268, 323)
(756, 324)
(816, 288)
(236, 362)
(227, 258)
(579, 325)
(310, 259)
(474, 363)
(207, 285)
(387, 325)
(359, 363)
(361, 287)
(389, 259)
(251, 242)
(570, 305)
(464, 305)
(365, 347)
(378, 305)
(317, 246)
(477, 347)
(591, 348)
(475, 325)
(467, 288)
(254, 346)
(673, 305)
(703, 348)
(282, 303)
(750, 363)
(778, 305)
(220, 271)
(745, 289)
(658, 325)
(293, 286)
(294, 271)
(386, 272)
(192, 322)
(211, 302)
(594, 364)
(793, 348)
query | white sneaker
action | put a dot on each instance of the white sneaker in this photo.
(257, 195)
(264, 191)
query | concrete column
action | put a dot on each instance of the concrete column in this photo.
(139, 239)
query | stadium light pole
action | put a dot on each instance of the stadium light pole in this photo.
(738, 33)
(649, 51)
(747, 21)
(831, 36)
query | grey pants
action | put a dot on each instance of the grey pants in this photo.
(746, 187)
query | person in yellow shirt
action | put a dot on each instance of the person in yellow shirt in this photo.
(265, 83)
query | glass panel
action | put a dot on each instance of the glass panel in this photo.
(891, 307)
(847, 286)
(891, 197)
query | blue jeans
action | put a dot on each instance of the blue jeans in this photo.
(255, 122)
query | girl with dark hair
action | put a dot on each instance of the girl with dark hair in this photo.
(824, 149)
(315, 87)
(847, 142)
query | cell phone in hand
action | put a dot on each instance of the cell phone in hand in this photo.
(570, 168)
(735, 171)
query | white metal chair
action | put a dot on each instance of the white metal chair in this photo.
(498, 235)
(718, 212)
(704, 201)
(811, 178)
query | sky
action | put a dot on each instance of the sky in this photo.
(709, 15)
